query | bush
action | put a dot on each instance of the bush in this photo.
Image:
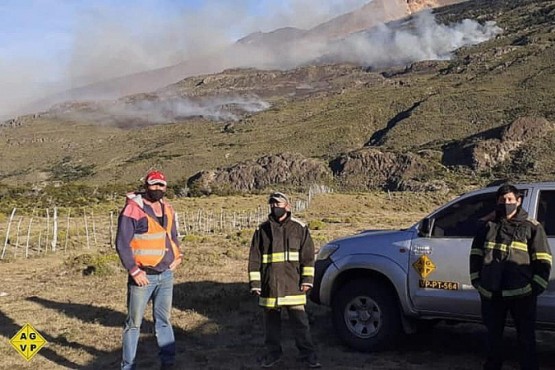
(316, 225)
(100, 264)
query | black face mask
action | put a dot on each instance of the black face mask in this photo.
(505, 209)
(278, 212)
(154, 195)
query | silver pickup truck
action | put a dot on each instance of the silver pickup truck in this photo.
(381, 283)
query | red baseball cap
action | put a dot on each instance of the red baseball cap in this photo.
(155, 177)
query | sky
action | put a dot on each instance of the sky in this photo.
(48, 46)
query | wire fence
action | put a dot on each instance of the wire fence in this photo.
(63, 229)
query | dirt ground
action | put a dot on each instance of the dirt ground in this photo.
(217, 323)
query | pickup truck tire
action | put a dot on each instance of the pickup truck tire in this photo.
(366, 315)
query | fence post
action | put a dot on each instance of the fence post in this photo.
(28, 237)
(86, 228)
(177, 224)
(93, 228)
(7, 233)
(54, 230)
(112, 229)
(47, 230)
(17, 236)
(67, 230)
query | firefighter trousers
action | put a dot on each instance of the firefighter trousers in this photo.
(523, 313)
(299, 325)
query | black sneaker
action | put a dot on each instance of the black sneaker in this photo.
(270, 360)
(312, 361)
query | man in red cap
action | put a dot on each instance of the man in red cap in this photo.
(148, 247)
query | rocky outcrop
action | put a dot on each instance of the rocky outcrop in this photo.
(282, 169)
(490, 153)
(489, 149)
(370, 168)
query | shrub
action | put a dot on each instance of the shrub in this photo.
(316, 225)
(100, 264)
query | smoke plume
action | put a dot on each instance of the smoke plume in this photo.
(152, 109)
(112, 42)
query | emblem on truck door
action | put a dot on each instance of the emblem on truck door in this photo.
(424, 266)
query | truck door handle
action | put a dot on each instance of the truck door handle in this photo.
(421, 250)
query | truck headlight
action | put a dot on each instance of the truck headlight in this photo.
(326, 251)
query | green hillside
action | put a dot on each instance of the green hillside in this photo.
(437, 106)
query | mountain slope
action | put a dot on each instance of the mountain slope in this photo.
(432, 112)
(247, 52)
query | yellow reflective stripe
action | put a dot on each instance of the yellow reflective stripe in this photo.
(150, 236)
(474, 275)
(149, 252)
(543, 257)
(484, 292)
(516, 292)
(293, 256)
(520, 246)
(280, 257)
(308, 271)
(500, 246)
(477, 252)
(291, 300)
(267, 302)
(254, 275)
(541, 282)
(274, 257)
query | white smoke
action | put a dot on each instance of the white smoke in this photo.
(112, 39)
(424, 39)
(151, 109)
(112, 42)
(385, 45)
(105, 47)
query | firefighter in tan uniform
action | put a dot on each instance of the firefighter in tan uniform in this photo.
(281, 271)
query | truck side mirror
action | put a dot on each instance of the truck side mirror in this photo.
(426, 227)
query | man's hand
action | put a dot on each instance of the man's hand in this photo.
(176, 262)
(256, 291)
(140, 279)
(305, 287)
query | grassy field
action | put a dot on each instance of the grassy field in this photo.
(217, 323)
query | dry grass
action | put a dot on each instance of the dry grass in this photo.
(217, 324)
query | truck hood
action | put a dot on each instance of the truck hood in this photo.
(383, 242)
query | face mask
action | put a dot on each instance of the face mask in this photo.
(154, 195)
(278, 212)
(505, 209)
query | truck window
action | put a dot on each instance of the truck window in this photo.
(546, 211)
(462, 219)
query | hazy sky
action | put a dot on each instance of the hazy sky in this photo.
(53, 45)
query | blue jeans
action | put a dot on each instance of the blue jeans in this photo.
(160, 290)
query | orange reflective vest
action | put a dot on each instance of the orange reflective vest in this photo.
(149, 248)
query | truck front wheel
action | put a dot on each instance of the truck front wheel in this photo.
(366, 315)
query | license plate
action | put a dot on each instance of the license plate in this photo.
(444, 285)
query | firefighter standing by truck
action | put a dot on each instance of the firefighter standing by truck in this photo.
(510, 263)
(281, 272)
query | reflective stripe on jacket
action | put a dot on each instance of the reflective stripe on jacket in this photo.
(150, 247)
(281, 259)
(510, 258)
